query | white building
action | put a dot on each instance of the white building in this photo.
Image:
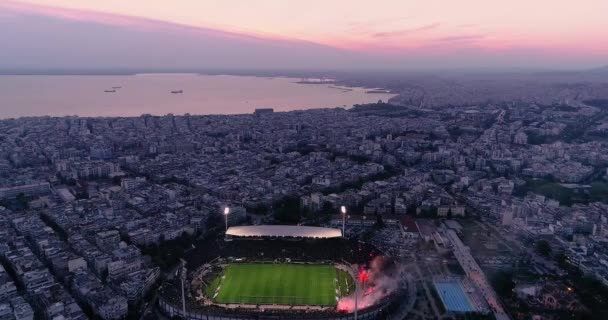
(76, 263)
(65, 195)
(457, 211)
(30, 190)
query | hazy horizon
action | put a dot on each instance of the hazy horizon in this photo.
(390, 35)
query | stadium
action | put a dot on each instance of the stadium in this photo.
(280, 272)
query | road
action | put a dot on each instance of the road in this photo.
(406, 308)
(429, 295)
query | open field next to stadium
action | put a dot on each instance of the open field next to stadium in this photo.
(283, 284)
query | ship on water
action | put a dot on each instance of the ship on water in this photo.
(177, 91)
(109, 91)
(316, 81)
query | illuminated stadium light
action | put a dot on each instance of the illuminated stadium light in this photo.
(343, 210)
(226, 212)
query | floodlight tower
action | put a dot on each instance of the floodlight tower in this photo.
(343, 210)
(183, 273)
(226, 212)
(356, 297)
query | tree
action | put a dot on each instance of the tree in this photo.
(379, 222)
(22, 200)
(428, 212)
(288, 210)
(116, 180)
(260, 209)
(543, 248)
(411, 210)
(503, 283)
(562, 260)
(327, 208)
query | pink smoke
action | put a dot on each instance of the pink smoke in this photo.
(374, 284)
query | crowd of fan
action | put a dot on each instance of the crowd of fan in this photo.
(309, 250)
(313, 250)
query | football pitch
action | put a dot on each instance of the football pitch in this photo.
(283, 284)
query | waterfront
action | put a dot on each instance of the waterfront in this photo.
(151, 94)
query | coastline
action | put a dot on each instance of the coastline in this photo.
(85, 96)
(267, 74)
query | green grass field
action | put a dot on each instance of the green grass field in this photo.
(346, 285)
(285, 284)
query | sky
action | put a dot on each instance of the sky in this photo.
(339, 34)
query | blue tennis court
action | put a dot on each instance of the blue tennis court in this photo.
(453, 296)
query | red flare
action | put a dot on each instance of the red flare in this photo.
(363, 275)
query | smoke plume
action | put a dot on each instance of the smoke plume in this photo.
(380, 279)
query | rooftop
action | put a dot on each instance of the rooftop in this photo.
(284, 231)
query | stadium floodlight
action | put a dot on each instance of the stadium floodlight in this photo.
(343, 210)
(226, 212)
(356, 299)
(183, 274)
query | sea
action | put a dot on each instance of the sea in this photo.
(160, 94)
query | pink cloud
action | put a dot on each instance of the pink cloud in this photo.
(379, 38)
(462, 37)
(405, 32)
(139, 23)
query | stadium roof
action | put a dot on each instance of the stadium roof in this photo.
(280, 231)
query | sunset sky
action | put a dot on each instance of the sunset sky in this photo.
(400, 33)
